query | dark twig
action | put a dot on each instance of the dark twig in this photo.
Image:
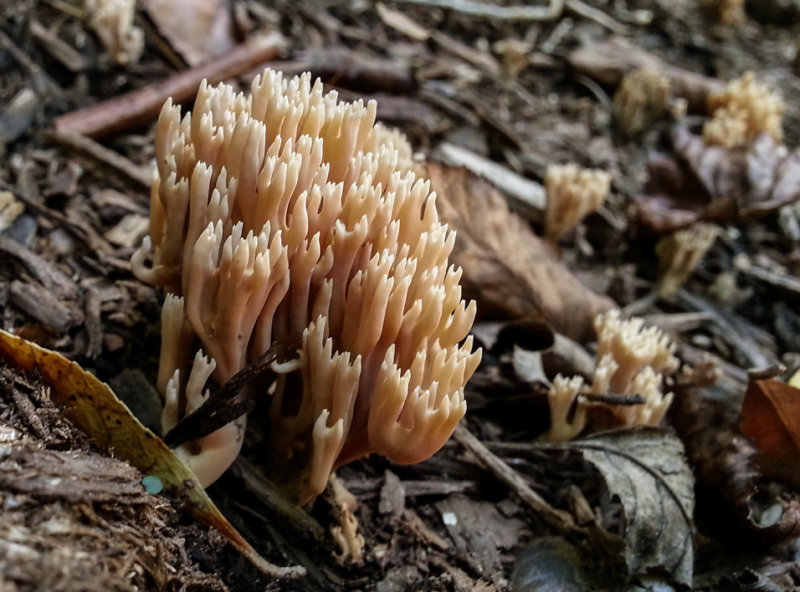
(225, 403)
(558, 519)
(141, 176)
(141, 106)
(292, 517)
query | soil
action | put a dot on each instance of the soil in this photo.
(76, 518)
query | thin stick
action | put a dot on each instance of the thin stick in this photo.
(142, 106)
(786, 282)
(530, 194)
(42, 82)
(141, 176)
(558, 519)
(292, 517)
(490, 11)
(598, 16)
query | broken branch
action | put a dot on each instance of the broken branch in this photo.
(142, 106)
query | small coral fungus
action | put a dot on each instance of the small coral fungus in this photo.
(631, 360)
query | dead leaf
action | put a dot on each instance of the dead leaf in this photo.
(736, 505)
(717, 184)
(647, 471)
(197, 29)
(479, 531)
(771, 419)
(92, 406)
(551, 564)
(508, 270)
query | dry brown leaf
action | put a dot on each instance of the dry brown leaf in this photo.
(646, 470)
(771, 419)
(508, 270)
(197, 29)
(717, 184)
(738, 504)
(93, 407)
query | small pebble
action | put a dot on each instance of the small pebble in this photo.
(152, 484)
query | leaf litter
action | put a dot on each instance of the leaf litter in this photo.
(523, 110)
(647, 472)
(93, 407)
(717, 184)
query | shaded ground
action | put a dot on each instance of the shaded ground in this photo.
(505, 91)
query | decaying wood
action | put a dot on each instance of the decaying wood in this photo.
(77, 519)
(608, 61)
(141, 106)
(43, 306)
(86, 147)
(341, 67)
(45, 272)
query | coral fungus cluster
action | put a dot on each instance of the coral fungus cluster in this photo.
(741, 111)
(572, 194)
(285, 216)
(631, 360)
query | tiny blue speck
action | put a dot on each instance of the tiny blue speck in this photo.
(152, 484)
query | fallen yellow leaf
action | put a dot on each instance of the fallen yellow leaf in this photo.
(91, 405)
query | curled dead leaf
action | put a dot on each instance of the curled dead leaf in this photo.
(508, 270)
(771, 419)
(733, 502)
(199, 30)
(717, 184)
(647, 471)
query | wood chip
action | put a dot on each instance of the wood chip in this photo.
(392, 500)
(43, 306)
(60, 50)
(129, 231)
(45, 272)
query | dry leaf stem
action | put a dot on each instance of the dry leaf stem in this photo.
(558, 519)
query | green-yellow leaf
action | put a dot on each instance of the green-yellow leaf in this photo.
(91, 405)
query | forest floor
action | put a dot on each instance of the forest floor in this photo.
(686, 506)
